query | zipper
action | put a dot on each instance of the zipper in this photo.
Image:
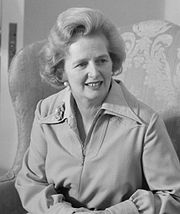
(83, 153)
(82, 164)
(83, 147)
(83, 150)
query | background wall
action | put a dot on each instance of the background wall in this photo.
(40, 15)
(13, 11)
(172, 11)
(36, 17)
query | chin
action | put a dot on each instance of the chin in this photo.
(97, 96)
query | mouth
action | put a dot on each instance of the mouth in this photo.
(94, 85)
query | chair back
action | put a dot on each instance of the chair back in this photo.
(26, 89)
(152, 70)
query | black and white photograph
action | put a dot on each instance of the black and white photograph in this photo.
(89, 107)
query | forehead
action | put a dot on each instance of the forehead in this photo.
(87, 47)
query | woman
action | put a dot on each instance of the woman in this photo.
(94, 147)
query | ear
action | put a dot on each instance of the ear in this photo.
(65, 80)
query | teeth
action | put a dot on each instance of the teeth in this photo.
(94, 84)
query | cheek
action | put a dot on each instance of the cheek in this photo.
(76, 80)
(108, 71)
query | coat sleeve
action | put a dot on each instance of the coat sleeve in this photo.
(161, 168)
(37, 195)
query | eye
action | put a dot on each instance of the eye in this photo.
(81, 65)
(101, 61)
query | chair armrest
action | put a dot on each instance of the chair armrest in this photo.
(9, 199)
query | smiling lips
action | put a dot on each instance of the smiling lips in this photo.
(94, 85)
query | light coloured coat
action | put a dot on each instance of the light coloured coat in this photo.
(127, 148)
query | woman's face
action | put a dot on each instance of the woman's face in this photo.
(88, 68)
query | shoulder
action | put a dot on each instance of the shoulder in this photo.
(49, 105)
(142, 110)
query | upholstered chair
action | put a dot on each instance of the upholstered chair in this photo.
(151, 72)
(26, 89)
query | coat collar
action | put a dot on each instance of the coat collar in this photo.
(118, 102)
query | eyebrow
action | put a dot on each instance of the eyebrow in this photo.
(103, 56)
(84, 59)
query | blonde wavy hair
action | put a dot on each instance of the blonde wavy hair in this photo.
(70, 25)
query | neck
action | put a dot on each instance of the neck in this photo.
(87, 109)
(85, 114)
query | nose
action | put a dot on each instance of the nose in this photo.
(93, 70)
